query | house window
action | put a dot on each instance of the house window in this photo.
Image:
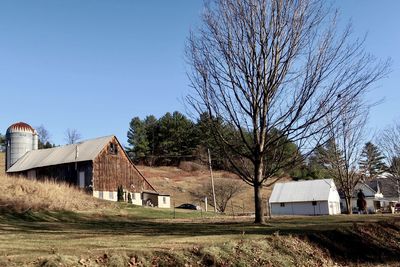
(133, 196)
(164, 200)
(101, 194)
(111, 195)
(314, 203)
(113, 149)
(282, 204)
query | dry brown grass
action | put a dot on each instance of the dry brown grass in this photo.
(2, 162)
(20, 195)
(179, 183)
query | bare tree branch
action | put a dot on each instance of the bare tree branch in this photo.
(273, 70)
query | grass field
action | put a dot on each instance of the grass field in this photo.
(69, 237)
(51, 224)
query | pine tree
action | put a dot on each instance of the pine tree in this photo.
(137, 139)
(372, 162)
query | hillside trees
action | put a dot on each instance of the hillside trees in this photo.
(273, 65)
(2, 140)
(44, 137)
(72, 136)
(225, 190)
(165, 141)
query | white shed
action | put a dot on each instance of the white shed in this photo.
(311, 197)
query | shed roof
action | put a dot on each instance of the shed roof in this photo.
(83, 151)
(301, 191)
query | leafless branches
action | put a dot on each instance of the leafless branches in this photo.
(346, 137)
(72, 136)
(225, 190)
(274, 70)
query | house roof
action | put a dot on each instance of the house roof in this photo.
(301, 191)
(83, 151)
(387, 186)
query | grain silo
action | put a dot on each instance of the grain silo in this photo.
(20, 138)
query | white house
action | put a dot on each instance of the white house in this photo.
(373, 198)
(311, 197)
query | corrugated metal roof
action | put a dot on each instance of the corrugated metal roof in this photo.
(312, 190)
(83, 151)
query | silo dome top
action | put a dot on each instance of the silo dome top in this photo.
(20, 127)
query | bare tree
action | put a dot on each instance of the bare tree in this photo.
(44, 137)
(344, 147)
(389, 142)
(225, 190)
(273, 70)
(72, 136)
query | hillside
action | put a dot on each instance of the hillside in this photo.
(36, 219)
(181, 184)
(22, 195)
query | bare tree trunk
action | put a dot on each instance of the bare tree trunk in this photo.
(258, 199)
(349, 205)
(258, 202)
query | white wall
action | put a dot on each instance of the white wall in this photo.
(107, 195)
(136, 199)
(113, 196)
(300, 208)
(164, 201)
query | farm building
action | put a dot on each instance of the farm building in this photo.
(372, 198)
(380, 193)
(314, 197)
(98, 166)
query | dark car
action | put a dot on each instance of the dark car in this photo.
(189, 207)
(397, 207)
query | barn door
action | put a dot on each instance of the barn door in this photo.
(81, 179)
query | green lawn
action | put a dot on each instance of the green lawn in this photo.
(27, 237)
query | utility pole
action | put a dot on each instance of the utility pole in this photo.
(212, 181)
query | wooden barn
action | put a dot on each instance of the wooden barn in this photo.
(98, 166)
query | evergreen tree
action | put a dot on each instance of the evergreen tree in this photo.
(177, 139)
(137, 139)
(2, 140)
(372, 162)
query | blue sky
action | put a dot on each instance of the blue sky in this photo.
(93, 65)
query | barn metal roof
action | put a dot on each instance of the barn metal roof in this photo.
(83, 151)
(301, 191)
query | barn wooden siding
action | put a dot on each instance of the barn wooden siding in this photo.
(112, 168)
(67, 172)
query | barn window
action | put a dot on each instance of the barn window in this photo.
(282, 204)
(314, 203)
(113, 149)
(101, 194)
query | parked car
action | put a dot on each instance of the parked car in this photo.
(189, 207)
(397, 207)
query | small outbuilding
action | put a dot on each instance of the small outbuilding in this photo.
(311, 197)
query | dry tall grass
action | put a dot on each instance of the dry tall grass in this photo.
(21, 194)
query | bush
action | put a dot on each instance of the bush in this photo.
(129, 198)
(120, 194)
